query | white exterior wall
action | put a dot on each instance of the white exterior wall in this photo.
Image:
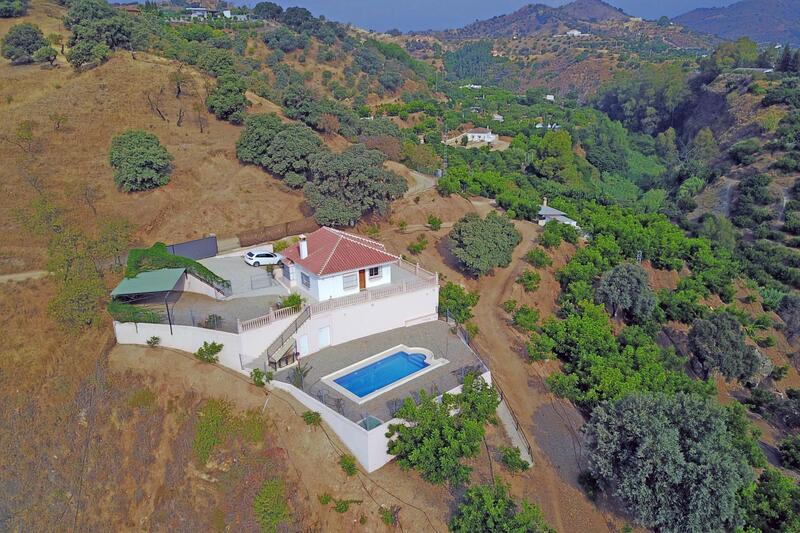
(353, 322)
(184, 338)
(193, 284)
(481, 137)
(325, 288)
(255, 341)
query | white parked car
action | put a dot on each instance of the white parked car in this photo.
(257, 258)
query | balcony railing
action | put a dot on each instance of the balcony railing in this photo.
(261, 321)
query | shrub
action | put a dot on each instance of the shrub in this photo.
(539, 347)
(325, 498)
(492, 504)
(538, 258)
(389, 514)
(45, 53)
(529, 280)
(209, 352)
(269, 505)
(342, 506)
(472, 329)
(526, 318)
(291, 300)
(13, 8)
(259, 377)
(312, 418)
(21, 42)
(456, 300)
(211, 429)
(790, 452)
(509, 306)
(125, 312)
(87, 53)
(143, 399)
(417, 247)
(434, 222)
(510, 457)
(744, 152)
(153, 341)
(348, 464)
(140, 162)
(280, 246)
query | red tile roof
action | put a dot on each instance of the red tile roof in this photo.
(331, 251)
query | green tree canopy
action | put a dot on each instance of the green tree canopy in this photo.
(457, 301)
(227, 100)
(13, 8)
(719, 343)
(670, 460)
(344, 187)
(140, 162)
(267, 10)
(483, 244)
(21, 42)
(437, 438)
(772, 504)
(626, 288)
(490, 508)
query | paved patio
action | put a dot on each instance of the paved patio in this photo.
(246, 281)
(192, 309)
(435, 336)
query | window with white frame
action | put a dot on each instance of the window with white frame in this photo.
(375, 272)
(305, 280)
(350, 281)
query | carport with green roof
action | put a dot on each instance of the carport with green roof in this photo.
(149, 283)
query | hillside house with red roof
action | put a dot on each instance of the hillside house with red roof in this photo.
(330, 263)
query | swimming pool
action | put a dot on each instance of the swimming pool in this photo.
(381, 373)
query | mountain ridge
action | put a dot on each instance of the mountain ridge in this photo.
(533, 18)
(764, 21)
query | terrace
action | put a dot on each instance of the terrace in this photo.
(435, 336)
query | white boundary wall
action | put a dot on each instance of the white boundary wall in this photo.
(185, 338)
(370, 448)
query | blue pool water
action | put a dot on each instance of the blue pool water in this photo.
(377, 375)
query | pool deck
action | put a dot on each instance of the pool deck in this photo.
(434, 336)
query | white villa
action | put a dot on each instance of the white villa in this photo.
(361, 305)
(331, 264)
(547, 213)
(476, 135)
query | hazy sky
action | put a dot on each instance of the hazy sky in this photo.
(442, 14)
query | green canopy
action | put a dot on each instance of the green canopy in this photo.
(162, 280)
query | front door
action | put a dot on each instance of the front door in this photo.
(362, 280)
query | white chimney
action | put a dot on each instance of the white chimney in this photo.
(544, 201)
(303, 247)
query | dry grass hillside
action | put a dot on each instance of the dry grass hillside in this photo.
(209, 191)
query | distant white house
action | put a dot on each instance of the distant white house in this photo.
(331, 264)
(547, 213)
(471, 86)
(477, 135)
(498, 117)
(574, 33)
(550, 97)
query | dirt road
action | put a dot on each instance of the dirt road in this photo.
(22, 276)
(552, 425)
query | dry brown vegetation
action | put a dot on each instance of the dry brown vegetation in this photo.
(209, 191)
